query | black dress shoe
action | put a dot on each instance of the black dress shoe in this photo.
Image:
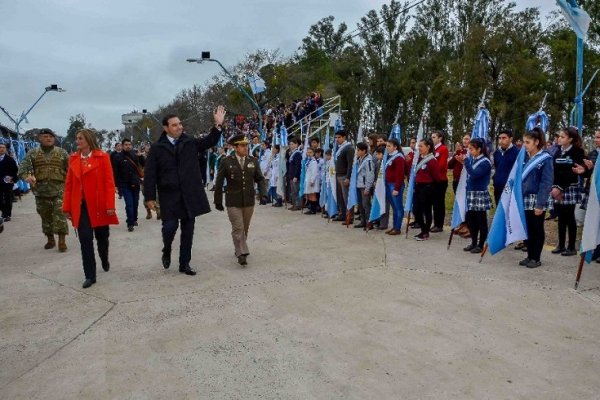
(166, 259)
(242, 260)
(469, 247)
(524, 262)
(6, 219)
(476, 250)
(558, 250)
(568, 253)
(106, 266)
(436, 229)
(360, 226)
(88, 283)
(185, 269)
(130, 228)
(533, 264)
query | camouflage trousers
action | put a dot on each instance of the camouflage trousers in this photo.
(53, 219)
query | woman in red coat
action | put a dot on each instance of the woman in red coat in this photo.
(89, 201)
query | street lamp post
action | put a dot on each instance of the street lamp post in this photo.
(206, 57)
(23, 117)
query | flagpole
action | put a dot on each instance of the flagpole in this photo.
(579, 271)
(485, 249)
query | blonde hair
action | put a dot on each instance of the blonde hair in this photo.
(90, 137)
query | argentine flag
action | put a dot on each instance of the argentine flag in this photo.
(283, 142)
(331, 189)
(378, 204)
(576, 16)
(413, 171)
(508, 225)
(257, 84)
(591, 225)
(352, 191)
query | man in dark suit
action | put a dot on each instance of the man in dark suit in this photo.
(172, 167)
(8, 178)
(241, 172)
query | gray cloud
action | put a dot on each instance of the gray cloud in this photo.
(113, 55)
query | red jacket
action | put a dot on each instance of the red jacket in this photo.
(429, 172)
(456, 165)
(441, 155)
(394, 173)
(94, 177)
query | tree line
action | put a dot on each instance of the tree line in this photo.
(436, 58)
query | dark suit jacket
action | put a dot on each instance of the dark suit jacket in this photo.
(175, 172)
(240, 182)
(8, 167)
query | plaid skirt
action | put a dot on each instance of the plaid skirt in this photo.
(571, 196)
(529, 201)
(479, 200)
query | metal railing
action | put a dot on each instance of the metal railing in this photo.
(314, 124)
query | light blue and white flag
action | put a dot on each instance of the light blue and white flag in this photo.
(576, 16)
(331, 189)
(591, 225)
(304, 163)
(509, 225)
(283, 133)
(338, 125)
(379, 201)
(352, 190)
(327, 141)
(480, 131)
(540, 119)
(413, 170)
(257, 84)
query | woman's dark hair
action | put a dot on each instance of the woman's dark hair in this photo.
(573, 133)
(537, 134)
(479, 144)
(441, 136)
(277, 147)
(429, 143)
(380, 149)
(328, 152)
(395, 142)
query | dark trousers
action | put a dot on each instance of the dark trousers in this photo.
(439, 203)
(536, 235)
(341, 196)
(131, 195)
(295, 193)
(86, 239)
(498, 193)
(455, 185)
(364, 205)
(478, 226)
(566, 221)
(422, 203)
(273, 196)
(169, 228)
(6, 201)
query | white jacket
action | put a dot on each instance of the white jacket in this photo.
(274, 171)
(312, 178)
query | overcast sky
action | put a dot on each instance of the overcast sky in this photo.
(112, 56)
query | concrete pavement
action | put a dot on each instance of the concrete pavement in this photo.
(321, 312)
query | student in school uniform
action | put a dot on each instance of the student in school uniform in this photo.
(276, 200)
(394, 171)
(439, 196)
(537, 176)
(312, 181)
(428, 173)
(566, 190)
(479, 201)
(365, 179)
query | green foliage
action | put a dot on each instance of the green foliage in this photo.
(437, 58)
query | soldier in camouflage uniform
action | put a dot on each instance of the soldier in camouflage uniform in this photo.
(45, 169)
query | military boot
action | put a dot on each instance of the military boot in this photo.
(62, 243)
(51, 243)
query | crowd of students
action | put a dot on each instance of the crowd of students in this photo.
(555, 177)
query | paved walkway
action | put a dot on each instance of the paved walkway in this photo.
(321, 312)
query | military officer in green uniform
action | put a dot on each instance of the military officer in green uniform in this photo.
(45, 169)
(240, 171)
